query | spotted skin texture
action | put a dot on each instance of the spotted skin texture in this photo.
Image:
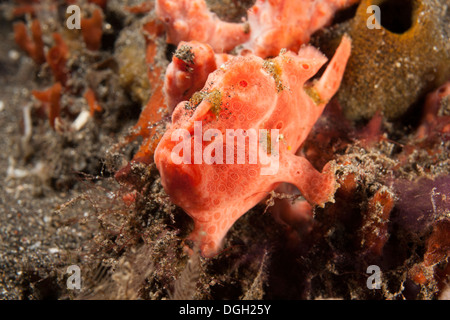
(271, 24)
(191, 20)
(278, 24)
(252, 96)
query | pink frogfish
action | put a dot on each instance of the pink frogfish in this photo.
(271, 24)
(236, 140)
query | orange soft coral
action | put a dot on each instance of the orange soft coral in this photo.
(375, 222)
(94, 107)
(34, 46)
(92, 30)
(437, 251)
(50, 99)
(57, 59)
(248, 93)
(272, 24)
(154, 109)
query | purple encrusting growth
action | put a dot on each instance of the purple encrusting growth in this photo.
(421, 202)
